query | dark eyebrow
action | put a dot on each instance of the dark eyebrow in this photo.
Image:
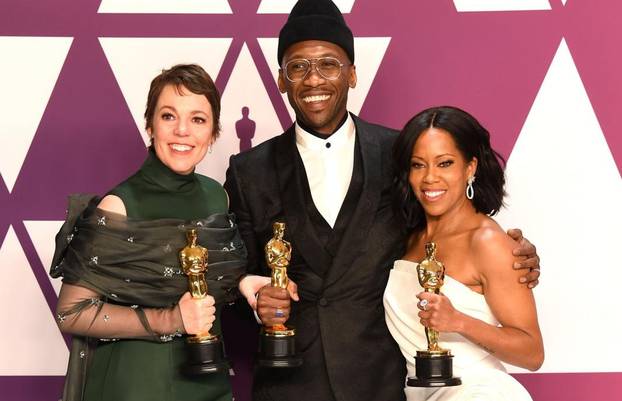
(175, 110)
(437, 157)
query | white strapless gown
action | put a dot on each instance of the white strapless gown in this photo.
(483, 377)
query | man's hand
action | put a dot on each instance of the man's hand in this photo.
(274, 304)
(529, 258)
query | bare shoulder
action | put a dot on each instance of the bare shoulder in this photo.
(112, 203)
(492, 246)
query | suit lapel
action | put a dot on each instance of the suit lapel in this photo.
(359, 225)
(298, 226)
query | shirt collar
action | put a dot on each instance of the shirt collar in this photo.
(343, 135)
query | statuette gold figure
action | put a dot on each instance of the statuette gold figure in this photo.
(434, 366)
(431, 275)
(278, 254)
(193, 259)
(205, 352)
(277, 344)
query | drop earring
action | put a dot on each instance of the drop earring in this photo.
(470, 192)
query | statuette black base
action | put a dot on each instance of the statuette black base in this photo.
(433, 370)
(205, 358)
(278, 351)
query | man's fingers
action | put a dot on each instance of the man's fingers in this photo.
(273, 303)
(273, 315)
(528, 263)
(515, 233)
(531, 277)
(524, 250)
(273, 292)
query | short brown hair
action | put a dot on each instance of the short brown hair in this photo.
(192, 77)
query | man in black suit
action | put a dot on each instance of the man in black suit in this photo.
(328, 177)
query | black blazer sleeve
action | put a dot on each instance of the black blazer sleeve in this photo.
(238, 204)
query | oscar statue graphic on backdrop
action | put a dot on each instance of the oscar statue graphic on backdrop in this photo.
(205, 352)
(245, 129)
(434, 367)
(277, 346)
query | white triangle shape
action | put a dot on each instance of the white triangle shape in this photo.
(42, 233)
(30, 343)
(564, 2)
(40, 59)
(285, 6)
(501, 5)
(565, 193)
(165, 7)
(136, 61)
(369, 53)
(245, 88)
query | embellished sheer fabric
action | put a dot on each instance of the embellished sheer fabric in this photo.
(122, 278)
(92, 317)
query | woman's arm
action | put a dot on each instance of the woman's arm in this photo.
(518, 341)
(81, 311)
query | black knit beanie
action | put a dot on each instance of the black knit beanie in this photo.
(316, 20)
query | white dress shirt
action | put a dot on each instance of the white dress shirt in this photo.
(328, 164)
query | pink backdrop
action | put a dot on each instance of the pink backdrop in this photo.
(543, 76)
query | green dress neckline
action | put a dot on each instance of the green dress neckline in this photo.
(159, 174)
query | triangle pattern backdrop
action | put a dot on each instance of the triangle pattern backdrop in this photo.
(285, 6)
(165, 6)
(136, 61)
(42, 233)
(501, 5)
(40, 59)
(565, 194)
(33, 345)
(244, 88)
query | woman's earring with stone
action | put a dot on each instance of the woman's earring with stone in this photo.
(470, 192)
(209, 148)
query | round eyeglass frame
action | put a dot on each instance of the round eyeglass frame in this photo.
(312, 62)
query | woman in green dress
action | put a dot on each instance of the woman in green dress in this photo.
(124, 296)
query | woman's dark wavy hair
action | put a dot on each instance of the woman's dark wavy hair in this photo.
(472, 140)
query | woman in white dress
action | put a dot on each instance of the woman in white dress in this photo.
(449, 182)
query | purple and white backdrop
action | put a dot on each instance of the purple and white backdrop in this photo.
(543, 76)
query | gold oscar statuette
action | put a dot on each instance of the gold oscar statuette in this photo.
(278, 254)
(205, 352)
(434, 366)
(277, 343)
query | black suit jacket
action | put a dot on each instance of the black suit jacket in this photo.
(349, 354)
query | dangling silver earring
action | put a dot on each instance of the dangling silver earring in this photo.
(470, 192)
(209, 149)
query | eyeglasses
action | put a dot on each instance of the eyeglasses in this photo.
(328, 67)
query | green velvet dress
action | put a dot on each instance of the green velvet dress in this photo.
(139, 370)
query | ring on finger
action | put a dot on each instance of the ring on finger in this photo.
(279, 313)
(424, 304)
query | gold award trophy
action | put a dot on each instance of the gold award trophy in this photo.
(205, 352)
(434, 367)
(277, 342)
